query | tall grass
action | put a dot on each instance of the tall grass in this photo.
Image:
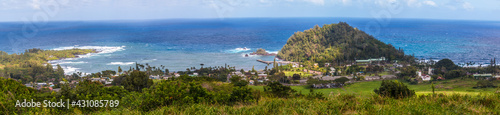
(343, 104)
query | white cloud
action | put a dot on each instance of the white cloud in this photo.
(414, 3)
(418, 3)
(467, 6)
(346, 1)
(318, 2)
(460, 4)
(35, 4)
(430, 3)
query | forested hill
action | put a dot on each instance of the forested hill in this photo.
(32, 66)
(336, 43)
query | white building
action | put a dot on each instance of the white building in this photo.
(423, 76)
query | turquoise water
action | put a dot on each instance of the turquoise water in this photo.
(180, 44)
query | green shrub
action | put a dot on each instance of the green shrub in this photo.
(454, 74)
(341, 80)
(242, 94)
(394, 89)
(277, 89)
(484, 84)
(136, 81)
(315, 95)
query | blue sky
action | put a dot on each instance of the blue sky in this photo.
(58, 10)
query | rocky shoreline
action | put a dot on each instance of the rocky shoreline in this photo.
(261, 52)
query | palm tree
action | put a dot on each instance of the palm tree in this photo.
(202, 65)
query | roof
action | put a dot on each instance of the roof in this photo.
(483, 75)
(371, 60)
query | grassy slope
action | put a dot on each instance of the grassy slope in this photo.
(338, 104)
(304, 74)
(366, 88)
(357, 98)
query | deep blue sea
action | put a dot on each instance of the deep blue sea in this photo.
(182, 43)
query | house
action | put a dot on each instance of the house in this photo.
(482, 76)
(238, 74)
(262, 76)
(332, 70)
(74, 82)
(430, 71)
(370, 61)
(177, 75)
(195, 74)
(251, 82)
(423, 76)
(295, 65)
(62, 82)
(154, 77)
(28, 85)
(51, 84)
(497, 77)
(41, 84)
(95, 79)
(327, 64)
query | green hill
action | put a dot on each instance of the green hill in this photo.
(337, 43)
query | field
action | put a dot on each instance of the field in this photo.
(339, 104)
(458, 86)
(302, 74)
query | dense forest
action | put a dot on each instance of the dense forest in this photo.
(32, 66)
(337, 43)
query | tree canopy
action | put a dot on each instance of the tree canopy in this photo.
(335, 43)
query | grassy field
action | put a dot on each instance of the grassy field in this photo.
(338, 104)
(302, 74)
(458, 86)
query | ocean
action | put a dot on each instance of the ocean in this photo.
(183, 43)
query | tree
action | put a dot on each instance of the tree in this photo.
(108, 73)
(394, 89)
(485, 84)
(253, 69)
(59, 71)
(278, 90)
(136, 81)
(117, 81)
(454, 74)
(444, 66)
(236, 81)
(119, 70)
(296, 77)
(341, 80)
(408, 71)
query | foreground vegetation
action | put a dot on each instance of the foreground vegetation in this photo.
(342, 104)
(203, 95)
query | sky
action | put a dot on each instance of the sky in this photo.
(81, 10)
